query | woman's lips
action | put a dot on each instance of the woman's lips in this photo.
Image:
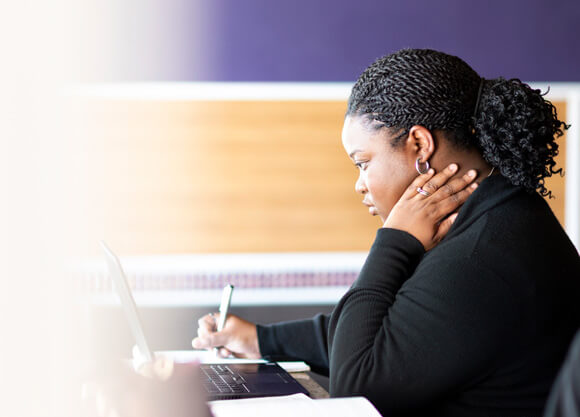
(372, 209)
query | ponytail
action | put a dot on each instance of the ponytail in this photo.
(515, 129)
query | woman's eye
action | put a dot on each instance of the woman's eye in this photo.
(361, 165)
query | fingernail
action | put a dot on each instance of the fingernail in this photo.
(431, 171)
(474, 185)
(471, 173)
(453, 167)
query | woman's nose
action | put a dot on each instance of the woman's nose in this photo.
(360, 186)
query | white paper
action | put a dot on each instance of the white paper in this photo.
(294, 405)
(201, 356)
(294, 366)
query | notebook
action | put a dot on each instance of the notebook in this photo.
(294, 405)
(220, 380)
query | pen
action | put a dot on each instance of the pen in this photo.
(224, 307)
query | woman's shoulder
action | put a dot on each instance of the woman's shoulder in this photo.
(507, 225)
(517, 247)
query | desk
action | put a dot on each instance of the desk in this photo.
(314, 388)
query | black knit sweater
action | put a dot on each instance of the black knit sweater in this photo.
(478, 326)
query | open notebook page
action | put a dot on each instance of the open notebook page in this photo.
(298, 405)
(201, 356)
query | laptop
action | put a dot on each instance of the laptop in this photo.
(221, 380)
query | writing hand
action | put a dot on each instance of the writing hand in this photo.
(238, 338)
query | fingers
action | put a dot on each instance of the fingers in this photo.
(440, 187)
(225, 353)
(163, 367)
(445, 195)
(207, 337)
(434, 183)
(426, 208)
(451, 199)
(200, 343)
(411, 191)
(209, 321)
(207, 324)
(444, 227)
(454, 186)
(210, 340)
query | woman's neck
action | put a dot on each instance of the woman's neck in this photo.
(466, 159)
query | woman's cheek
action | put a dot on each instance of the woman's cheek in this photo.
(384, 200)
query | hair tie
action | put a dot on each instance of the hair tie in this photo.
(478, 96)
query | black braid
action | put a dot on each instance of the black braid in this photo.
(514, 127)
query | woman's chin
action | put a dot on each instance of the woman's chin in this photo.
(373, 211)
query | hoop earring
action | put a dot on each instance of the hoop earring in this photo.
(418, 168)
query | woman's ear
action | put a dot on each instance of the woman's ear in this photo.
(420, 143)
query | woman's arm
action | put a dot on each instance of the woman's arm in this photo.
(406, 340)
(304, 340)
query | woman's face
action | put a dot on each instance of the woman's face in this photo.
(384, 171)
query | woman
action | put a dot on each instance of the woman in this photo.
(460, 309)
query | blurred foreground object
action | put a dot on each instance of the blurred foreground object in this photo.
(160, 389)
(564, 401)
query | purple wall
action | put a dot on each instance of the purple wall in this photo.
(334, 40)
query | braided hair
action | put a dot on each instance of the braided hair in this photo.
(511, 124)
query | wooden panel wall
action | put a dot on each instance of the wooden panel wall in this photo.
(182, 177)
(557, 183)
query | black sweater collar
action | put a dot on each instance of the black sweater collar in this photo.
(491, 192)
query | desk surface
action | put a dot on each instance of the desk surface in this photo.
(314, 388)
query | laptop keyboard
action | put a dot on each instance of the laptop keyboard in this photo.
(220, 379)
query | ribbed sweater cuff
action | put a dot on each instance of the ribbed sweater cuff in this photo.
(267, 340)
